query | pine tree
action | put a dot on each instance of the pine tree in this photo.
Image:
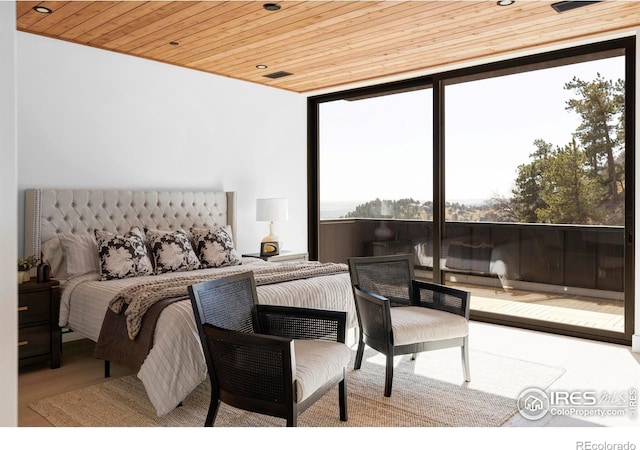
(569, 193)
(600, 105)
(527, 195)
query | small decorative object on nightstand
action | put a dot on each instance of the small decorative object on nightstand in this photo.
(269, 248)
(24, 268)
(284, 255)
(39, 336)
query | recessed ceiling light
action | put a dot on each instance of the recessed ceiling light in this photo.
(271, 6)
(42, 9)
(261, 66)
(505, 2)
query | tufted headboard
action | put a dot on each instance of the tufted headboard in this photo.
(52, 211)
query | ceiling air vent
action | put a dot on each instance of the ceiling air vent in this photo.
(566, 6)
(280, 74)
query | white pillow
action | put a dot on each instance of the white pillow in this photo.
(53, 254)
(80, 254)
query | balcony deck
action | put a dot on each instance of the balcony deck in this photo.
(566, 274)
(605, 314)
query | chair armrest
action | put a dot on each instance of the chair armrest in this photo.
(302, 323)
(250, 366)
(444, 298)
(374, 315)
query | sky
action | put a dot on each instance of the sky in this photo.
(381, 147)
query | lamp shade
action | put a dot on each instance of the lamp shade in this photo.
(272, 209)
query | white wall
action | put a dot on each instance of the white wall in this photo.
(8, 218)
(90, 118)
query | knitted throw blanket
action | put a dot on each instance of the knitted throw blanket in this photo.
(141, 296)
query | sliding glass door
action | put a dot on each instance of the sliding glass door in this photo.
(514, 180)
(535, 192)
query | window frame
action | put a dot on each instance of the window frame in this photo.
(437, 82)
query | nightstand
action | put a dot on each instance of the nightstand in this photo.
(284, 255)
(39, 336)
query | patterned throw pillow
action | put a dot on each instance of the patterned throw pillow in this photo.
(122, 256)
(215, 247)
(172, 251)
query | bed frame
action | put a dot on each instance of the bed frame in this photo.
(52, 211)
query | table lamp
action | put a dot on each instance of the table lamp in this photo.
(271, 210)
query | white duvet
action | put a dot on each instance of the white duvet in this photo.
(175, 365)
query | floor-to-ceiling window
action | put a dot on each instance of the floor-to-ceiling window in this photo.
(375, 167)
(536, 161)
(520, 170)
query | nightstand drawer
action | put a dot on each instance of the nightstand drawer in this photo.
(34, 341)
(34, 307)
(38, 331)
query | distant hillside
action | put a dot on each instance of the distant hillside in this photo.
(410, 209)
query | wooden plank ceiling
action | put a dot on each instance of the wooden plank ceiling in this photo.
(325, 45)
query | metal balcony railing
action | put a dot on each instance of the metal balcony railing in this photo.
(576, 256)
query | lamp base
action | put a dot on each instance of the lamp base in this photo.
(271, 242)
(269, 248)
(270, 238)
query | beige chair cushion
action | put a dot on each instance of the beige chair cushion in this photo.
(316, 363)
(412, 324)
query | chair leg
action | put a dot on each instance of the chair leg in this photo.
(107, 369)
(414, 356)
(292, 421)
(359, 354)
(342, 396)
(465, 359)
(388, 377)
(213, 410)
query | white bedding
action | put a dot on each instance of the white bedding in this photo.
(175, 365)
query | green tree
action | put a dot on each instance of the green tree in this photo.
(600, 105)
(582, 182)
(570, 195)
(527, 195)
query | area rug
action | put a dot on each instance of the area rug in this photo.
(427, 392)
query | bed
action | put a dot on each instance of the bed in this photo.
(60, 226)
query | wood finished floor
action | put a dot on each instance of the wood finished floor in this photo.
(588, 364)
(598, 313)
(78, 369)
